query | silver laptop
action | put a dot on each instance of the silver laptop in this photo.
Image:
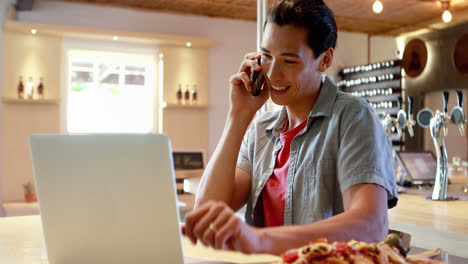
(107, 198)
(420, 167)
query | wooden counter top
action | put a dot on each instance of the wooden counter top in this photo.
(22, 242)
(432, 224)
(449, 216)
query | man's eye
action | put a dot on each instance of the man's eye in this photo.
(290, 62)
(266, 56)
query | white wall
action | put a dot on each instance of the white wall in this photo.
(3, 8)
(351, 49)
(234, 38)
(28, 56)
(383, 48)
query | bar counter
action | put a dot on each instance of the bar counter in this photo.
(21, 242)
(432, 224)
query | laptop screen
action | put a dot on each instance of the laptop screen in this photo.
(420, 166)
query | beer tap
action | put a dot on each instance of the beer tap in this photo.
(388, 122)
(457, 116)
(436, 123)
(440, 121)
(411, 122)
(405, 121)
(401, 121)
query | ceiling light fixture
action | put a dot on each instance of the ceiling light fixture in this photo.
(116, 37)
(377, 7)
(188, 44)
(33, 31)
(446, 16)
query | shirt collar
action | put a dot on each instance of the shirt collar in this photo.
(323, 106)
(326, 99)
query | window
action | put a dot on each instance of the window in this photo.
(110, 92)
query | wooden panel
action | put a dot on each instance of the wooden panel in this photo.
(397, 17)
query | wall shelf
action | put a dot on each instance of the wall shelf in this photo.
(379, 84)
(184, 106)
(30, 101)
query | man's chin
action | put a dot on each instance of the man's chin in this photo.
(277, 101)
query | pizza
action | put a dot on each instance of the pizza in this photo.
(352, 252)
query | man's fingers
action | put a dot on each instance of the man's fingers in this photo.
(184, 232)
(242, 78)
(252, 55)
(204, 222)
(225, 233)
(220, 221)
(230, 244)
(249, 65)
(246, 80)
(248, 59)
(209, 235)
(192, 218)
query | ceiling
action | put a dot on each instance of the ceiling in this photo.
(398, 16)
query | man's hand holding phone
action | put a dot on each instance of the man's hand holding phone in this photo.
(246, 93)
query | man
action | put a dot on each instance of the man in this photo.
(320, 167)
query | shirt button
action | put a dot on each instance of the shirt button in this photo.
(260, 183)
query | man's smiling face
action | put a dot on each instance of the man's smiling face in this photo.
(290, 64)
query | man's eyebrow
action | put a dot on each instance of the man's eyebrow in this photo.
(289, 54)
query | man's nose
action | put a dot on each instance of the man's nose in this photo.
(275, 72)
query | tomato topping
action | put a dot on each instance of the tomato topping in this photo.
(290, 256)
(341, 247)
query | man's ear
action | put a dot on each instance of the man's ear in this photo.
(326, 61)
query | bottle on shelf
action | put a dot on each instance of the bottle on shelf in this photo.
(30, 88)
(179, 94)
(194, 94)
(40, 89)
(187, 94)
(21, 88)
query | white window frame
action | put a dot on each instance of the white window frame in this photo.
(69, 44)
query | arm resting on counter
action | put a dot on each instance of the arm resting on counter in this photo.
(215, 224)
(364, 219)
(222, 181)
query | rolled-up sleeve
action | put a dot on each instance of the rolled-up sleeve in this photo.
(243, 160)
(365, 153)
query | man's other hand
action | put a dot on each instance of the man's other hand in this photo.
(216, 225)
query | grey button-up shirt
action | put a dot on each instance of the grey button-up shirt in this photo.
(342, 145)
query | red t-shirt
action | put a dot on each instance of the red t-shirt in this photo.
(274, 192)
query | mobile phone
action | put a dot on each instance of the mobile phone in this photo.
(257, 78)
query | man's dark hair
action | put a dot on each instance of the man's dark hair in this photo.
(312, 15)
